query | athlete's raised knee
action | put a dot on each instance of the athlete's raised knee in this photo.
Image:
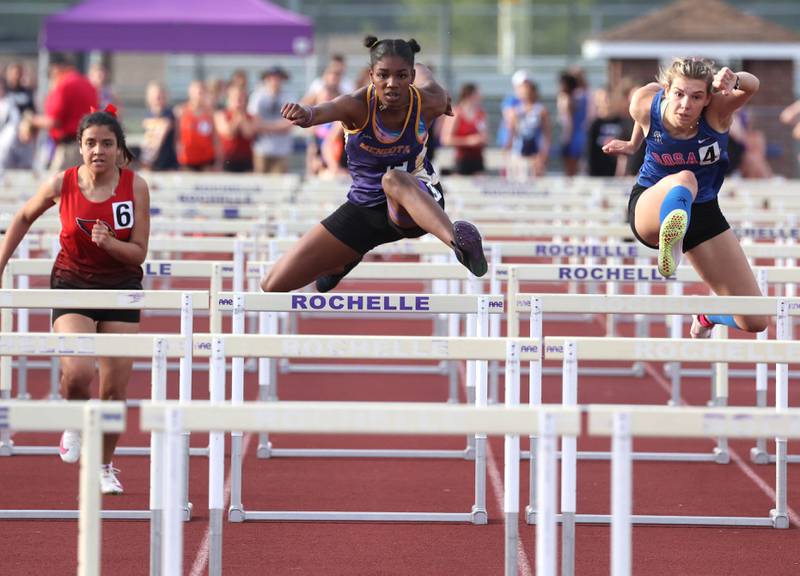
(688, 179)
(392, 182)
(752, 323)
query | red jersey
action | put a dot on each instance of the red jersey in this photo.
(82, 263)
(468, 126)
(197, 138)
(71, 97)
(238, 148)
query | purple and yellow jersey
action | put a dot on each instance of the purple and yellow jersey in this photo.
(706, 154)
(372, 150)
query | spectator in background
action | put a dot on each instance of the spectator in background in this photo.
(216, 88)
(509, 101)
(98, 76)
(273, 141)
(608, 125)
(9, 126)
(529, 133)
(791, 117)
(71, 96)
(239, 78)
(467, 131)
(197, 142)
(236, 129)
(158, 145)
(573, 111)
(18, 91)
(333, 80)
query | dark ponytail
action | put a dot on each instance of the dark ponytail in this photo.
(108, 118)
(397, 47)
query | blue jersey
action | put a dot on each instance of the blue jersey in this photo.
(372, 150)
(705, 154)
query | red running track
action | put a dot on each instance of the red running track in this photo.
(257, 548)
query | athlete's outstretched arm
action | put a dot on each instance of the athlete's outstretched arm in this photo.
(435, 99)
(732, 90)
(45, 198)
(350, 109)
(134, 251)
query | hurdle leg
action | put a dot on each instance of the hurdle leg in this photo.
(158, 377)
(235, 509)
(511, 475)
(89, 525)
(267, 378)
(534, 399)
(23, 325)
(569, 464)
(758, 453)
(6, 444)
(546, 489)
(174, 503)
(494, 322)
(720, 398)
(453, 330)
(621, 505)
(780, 514)
(216, 462)
(675, 331)
(471, 375)
(479, 514)
(185, 395)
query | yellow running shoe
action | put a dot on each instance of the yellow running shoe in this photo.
(670, 241)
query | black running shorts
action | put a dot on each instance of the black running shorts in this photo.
(363, 228)
(108, 315)
(706, 221)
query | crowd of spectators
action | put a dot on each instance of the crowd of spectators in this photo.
(231, 126)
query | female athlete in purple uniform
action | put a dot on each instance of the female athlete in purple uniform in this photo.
(395, 191)
(673, 206)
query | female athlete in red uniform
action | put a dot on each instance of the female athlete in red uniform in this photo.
(105, 224)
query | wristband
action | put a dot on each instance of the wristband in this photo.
(736, 86)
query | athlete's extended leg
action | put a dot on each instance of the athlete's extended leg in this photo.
(114, 376)
(318, 252)
(662, 217)
(77, 374)
(410, 206)
(722, 264)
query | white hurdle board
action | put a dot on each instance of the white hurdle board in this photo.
(625, 422)
(361, 418)
(93, 419)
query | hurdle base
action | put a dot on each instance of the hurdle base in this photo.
(758, 456)
(780, 521)
(299, 516)
(7, 447)
(479, 516)
(721, 456)
(791, 459)
(642, 456)
(530, 514)
(296, 368)
(236, 514)
(121, 451)
(676, 520)
(72, 514)
(187, 512)
(366, 453)
(264, 451)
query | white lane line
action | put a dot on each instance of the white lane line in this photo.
(201, 558)
(496, 483)
(737, 459)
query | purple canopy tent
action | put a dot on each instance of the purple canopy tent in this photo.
(192, 26)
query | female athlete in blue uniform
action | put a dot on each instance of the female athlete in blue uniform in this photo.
(673, 207)
(395, 191)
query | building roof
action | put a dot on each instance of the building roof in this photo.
(712, 27)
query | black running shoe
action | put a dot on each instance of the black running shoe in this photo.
(329, 282)
(469, 248)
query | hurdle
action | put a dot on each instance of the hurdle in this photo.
(477, 310)
(377, 418)
(154, 346)
(624, 422)
(350, 347)
(570, 350)
(93, 419)
(185, 302)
